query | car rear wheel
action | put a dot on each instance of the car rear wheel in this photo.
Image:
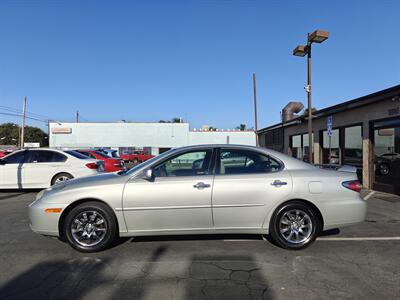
(135, 161)
(294, 225)
(61, 178)
(90, 227)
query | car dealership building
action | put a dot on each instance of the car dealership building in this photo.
(155, 138)
(364, 132)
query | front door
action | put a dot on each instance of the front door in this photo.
(178, 198)
(248, 184)
(11, 171)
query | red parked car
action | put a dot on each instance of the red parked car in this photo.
(136, 157)
(4, 153)
(111, 164)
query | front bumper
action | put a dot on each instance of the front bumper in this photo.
(43, 222)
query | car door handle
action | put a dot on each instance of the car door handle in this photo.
(278, 183)
(201, 185)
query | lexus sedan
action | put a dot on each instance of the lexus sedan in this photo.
(201, 190)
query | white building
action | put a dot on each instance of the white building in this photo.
(156, 137)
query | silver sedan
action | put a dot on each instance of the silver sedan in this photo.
(202, 190)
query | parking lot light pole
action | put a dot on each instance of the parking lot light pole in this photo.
(318, 36)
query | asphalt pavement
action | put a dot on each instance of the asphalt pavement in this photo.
(359, 262)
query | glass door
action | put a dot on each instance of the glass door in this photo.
(387, 156)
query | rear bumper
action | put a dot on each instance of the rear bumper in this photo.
(343, 213)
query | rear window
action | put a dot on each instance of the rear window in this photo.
(76, 154)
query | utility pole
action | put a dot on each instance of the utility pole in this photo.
(255, 108)
(77, 116)
(23, 123)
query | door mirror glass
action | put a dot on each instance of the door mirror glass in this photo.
(148, 174)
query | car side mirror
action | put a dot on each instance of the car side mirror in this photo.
(148, 175)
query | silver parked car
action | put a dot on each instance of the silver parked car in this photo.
(201, 190)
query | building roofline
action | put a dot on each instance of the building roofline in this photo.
(350, 104)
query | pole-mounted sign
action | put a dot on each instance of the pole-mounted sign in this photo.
(329, 125)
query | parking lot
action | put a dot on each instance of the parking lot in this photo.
(359, 262)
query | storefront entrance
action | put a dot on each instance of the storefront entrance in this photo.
(387, 155)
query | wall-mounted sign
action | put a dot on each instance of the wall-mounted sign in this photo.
(61, 130)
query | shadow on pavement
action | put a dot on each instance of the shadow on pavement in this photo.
(51, 279)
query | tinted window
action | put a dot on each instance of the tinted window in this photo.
(101, 154)
(44, 156)
(15, 158)
(187, 164)
(246, 162)
(76, 154)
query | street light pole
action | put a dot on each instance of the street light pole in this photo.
(318, 36)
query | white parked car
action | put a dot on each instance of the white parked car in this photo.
(41, 168)
(201, 190)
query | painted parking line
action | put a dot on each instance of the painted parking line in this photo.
(369, 195)
(377, 238)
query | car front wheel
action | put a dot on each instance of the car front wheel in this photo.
(90, 227)
(294, 225)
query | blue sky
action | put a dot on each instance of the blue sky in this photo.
(152, 60)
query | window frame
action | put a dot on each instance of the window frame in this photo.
(217, 164)
(211, 167)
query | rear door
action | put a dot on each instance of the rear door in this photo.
(41, 166)
(248, 184)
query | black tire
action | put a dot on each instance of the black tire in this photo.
(59, 176)
(135, 161)
(105, 237)
(384, 169)
(280, 217)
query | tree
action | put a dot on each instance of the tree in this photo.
(241, 127)
(9, 135)
(176, 120)
(211, 128)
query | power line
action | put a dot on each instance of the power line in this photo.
(19, 111)
(20, 115)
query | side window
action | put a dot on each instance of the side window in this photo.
(187, 164)
(246, 162)
(44, 156)
(15, 158)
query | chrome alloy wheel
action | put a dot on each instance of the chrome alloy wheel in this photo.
(295, 226)
(89, 228)
(61, 179)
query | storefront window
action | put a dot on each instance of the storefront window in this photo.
(387, 156)
(296, 146)
(330, 149)
(353, 154)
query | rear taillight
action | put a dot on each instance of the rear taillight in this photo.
(353, 185)
(92, 165)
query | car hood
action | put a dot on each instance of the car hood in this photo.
(86, 181)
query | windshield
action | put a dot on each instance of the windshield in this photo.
(146, 163)
(76, 154)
